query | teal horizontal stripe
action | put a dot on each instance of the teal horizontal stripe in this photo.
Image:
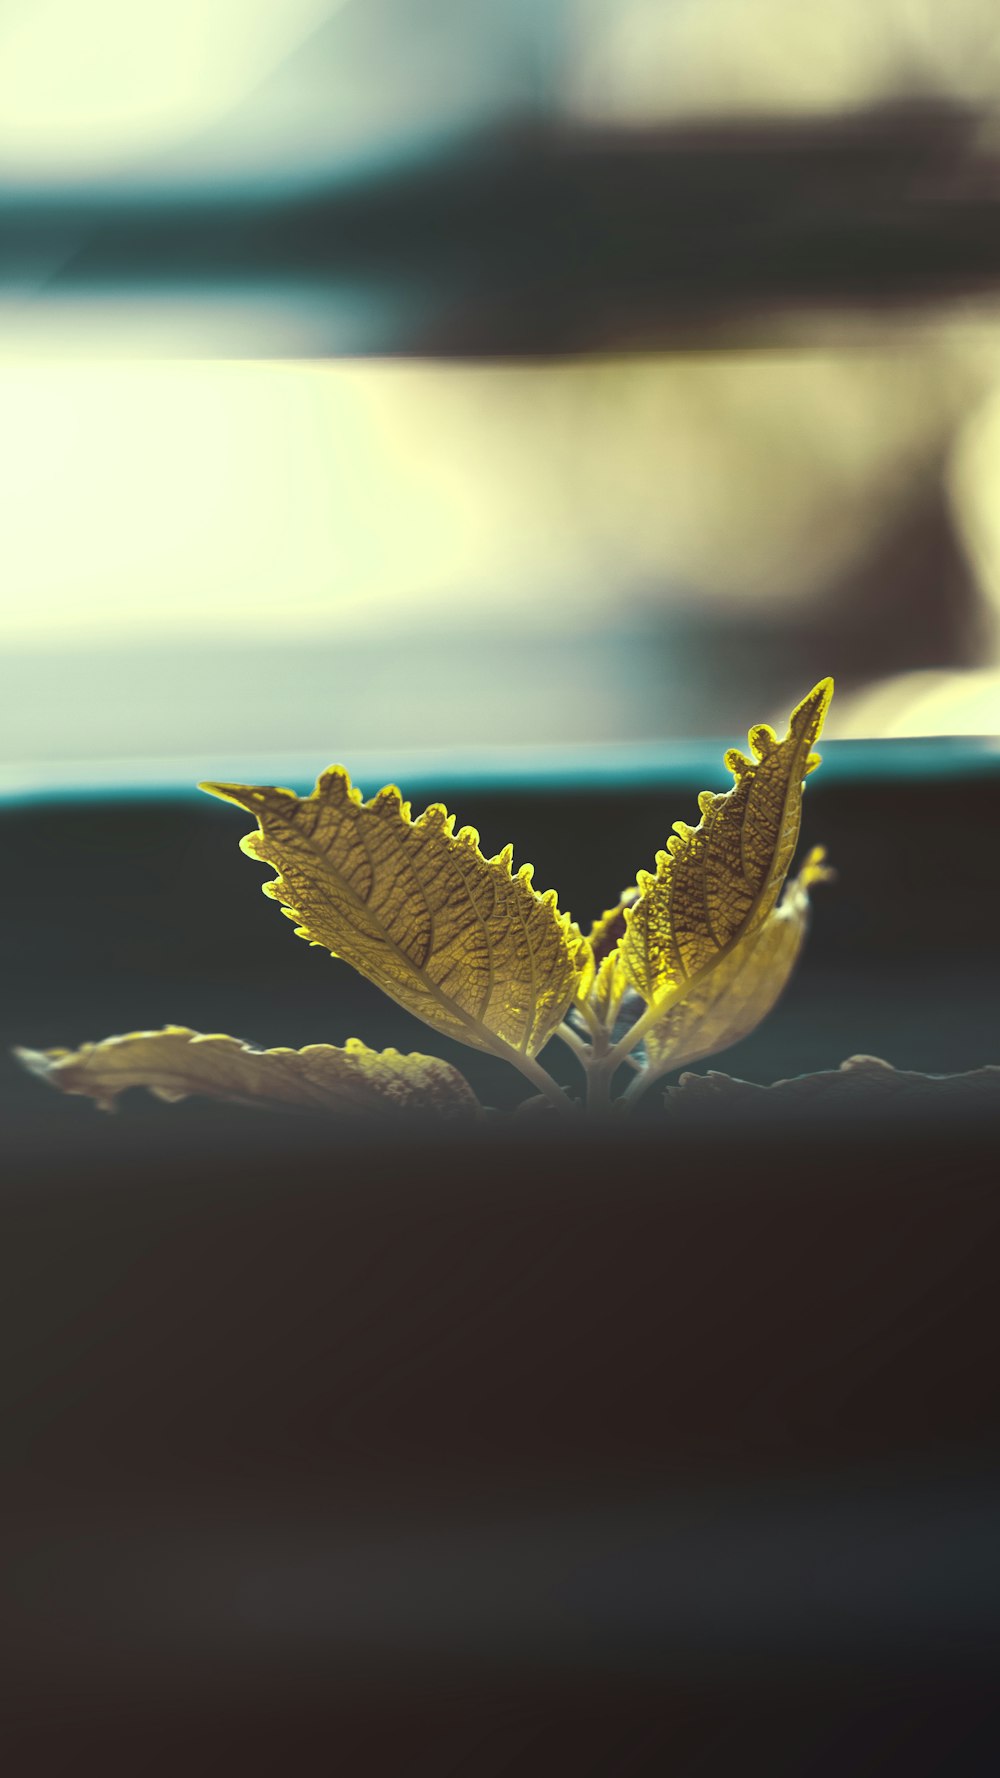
(628, 766)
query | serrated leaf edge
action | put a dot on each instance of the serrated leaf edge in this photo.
(761, 739)
(435, 814)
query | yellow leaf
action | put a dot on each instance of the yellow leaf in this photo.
(175, 1063)
(605, 994)
(457, 939)
(609, 927)
(603, 982)
(732, 999)
(716, 883)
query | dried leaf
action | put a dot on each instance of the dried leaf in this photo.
(732, 999)
(717, 883)
(175, 1063)
(457, 939)
(859, 1085)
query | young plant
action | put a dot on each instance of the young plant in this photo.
(688, 962)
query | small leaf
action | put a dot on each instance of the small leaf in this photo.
(717, 883)
(603, 985)
(609, 928)
(457, 939)
(609, 985)
(175, 1063)
(732, 999)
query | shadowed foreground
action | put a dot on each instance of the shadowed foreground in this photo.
(485, 1455)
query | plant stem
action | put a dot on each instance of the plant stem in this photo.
(598, 1030)
(598, 1059)
(654, 1013)
(580, 1048)
(540, 1078)
(672, 998)
(639, 1084)
(599, 1086)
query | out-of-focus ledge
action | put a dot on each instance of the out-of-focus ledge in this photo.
(542, 240)
(652, 765)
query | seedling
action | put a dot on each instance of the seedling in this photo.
(688, 962)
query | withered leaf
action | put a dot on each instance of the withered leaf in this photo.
(861, 1084)
(175, 1063)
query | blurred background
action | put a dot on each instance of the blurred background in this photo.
(428, 374)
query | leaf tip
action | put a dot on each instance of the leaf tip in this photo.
(35, 1061)
(229, 793)
(811, 712)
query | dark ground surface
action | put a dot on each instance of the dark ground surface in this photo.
(670, 1455)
